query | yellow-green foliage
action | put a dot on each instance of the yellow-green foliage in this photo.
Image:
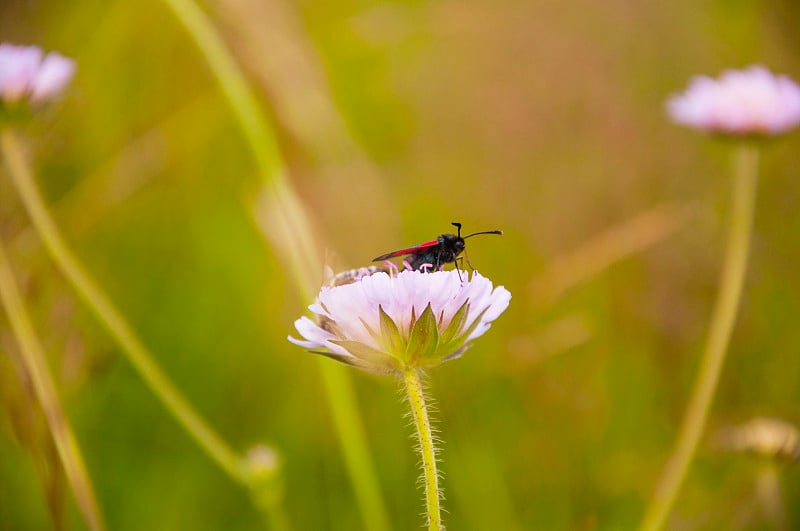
(543, 119)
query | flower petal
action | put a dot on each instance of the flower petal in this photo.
(54, 74)
(410, 318)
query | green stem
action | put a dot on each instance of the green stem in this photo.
(290, 231)
(108, 314)
(278, 521)
(260, 137)
(416, 399)
(243, 102)
(722, 322)
(354, 445)
(768, 490)
(35, 365)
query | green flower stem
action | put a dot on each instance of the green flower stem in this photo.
(290, 232)
(108, 314)
(416, 399)
(35, 365)
(277, 518)
(354, 446)
(768, 491)
(722, 322)
(263, 469)
(243, 102)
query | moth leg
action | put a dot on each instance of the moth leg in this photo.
(466, 255)
(455, 263)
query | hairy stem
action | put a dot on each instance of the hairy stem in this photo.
(427, 450)
(35, 365)
(722, 321)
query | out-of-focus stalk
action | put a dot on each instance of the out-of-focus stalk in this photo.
(722, 321)
(289, 230)
(109, 316)
(35, 365)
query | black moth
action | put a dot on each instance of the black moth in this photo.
(432, 255)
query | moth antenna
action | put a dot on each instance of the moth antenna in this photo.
(484, 232)
(456, 224)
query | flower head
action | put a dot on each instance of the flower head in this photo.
(28, 75)
(388, 322)
(764, 437)
(741, 102)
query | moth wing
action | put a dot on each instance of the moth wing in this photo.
(410, 250)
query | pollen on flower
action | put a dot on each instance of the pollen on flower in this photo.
(384, 322)
(741, 102)
(27, 75)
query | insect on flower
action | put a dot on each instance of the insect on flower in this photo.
(434, 254)
(354, 275)
(386, 322)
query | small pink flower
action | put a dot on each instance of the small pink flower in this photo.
(388, 322)
(741, 102)
(25, 74)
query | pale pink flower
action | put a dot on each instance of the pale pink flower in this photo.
(741, 102)
(389, 322)
(26, 74)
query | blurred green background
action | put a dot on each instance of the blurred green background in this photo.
(544, 119)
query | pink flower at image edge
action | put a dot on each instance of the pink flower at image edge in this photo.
(27, 74)
(740, 102)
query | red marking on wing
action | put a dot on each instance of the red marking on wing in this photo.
(410, 250)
